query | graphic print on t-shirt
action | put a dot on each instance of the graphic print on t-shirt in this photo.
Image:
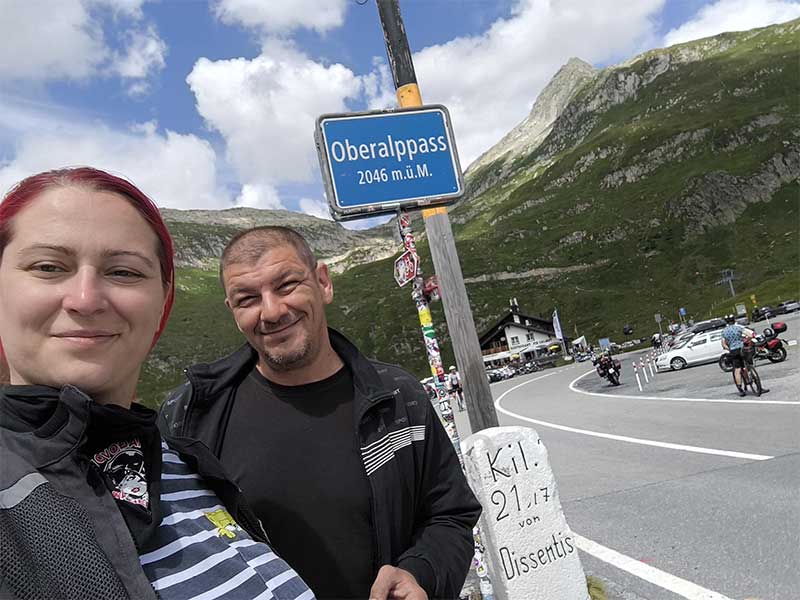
(224, 523)
(123, 464)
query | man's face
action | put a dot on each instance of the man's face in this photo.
(278, 303)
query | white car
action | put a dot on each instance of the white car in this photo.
(701, 348)
(788, 306)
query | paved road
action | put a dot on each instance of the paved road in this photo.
(707, 491)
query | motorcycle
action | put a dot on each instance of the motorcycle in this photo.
(608, 368)
(765, 347)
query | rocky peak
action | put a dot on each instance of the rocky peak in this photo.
(548, 106)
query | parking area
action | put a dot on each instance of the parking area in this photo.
(709, 381)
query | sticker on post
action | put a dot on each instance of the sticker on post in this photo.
(405, 268)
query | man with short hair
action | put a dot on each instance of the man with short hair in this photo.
(342, 458)
(733, 337)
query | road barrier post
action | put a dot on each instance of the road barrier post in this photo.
(650, 363)
(644, 371)
(636, 373)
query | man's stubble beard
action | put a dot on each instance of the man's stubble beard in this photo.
(290, 361)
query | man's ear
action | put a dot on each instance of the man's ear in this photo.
(325, 282)
(230, 308)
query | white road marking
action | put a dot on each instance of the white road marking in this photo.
(574, 388)
(620, 438)
(676, 585)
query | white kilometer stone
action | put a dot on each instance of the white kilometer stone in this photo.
(530, 550)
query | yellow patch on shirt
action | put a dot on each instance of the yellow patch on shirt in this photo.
(224, 523)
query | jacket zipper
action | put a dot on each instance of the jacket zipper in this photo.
(377, 559)
(190, 403)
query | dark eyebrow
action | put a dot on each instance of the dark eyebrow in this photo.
(61, 249)
(71, 252)
(239, 290)
(115, 253)
(289, 273)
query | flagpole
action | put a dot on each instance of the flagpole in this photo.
(558, 332)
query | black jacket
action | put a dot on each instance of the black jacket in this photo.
(423, 509)
(62, 534)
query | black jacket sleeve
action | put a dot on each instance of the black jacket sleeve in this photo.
(442, 547)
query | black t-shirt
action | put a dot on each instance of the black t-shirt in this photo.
(294, 452)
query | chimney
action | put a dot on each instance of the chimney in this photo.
(514, 306)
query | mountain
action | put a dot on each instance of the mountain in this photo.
(201, 235)
(624, 193)
(550, 103)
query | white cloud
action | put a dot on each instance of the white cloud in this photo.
(38, 42)
(144, 55)
(38, 45)
(145, 52)
(265, 109)
(258, 195)
(121, 8)
(490, 81)
(281, 16)
(176, 170)
(316, 208)
(733, 15)
(378, 85)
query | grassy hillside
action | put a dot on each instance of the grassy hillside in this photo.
(659, 174)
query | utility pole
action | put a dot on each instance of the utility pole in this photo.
(728, 277)
(480, 407)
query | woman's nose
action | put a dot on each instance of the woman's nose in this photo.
(85, 293)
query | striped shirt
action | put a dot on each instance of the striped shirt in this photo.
(202, 553)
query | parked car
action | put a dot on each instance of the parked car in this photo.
(679, 340)
(494, 375)
(709, 325)
(787, 306)
(705, 347)
(762, 312)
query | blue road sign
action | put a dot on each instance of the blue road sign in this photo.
(683, 312)
(377, 162)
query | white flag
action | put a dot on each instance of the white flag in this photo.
(557, 325)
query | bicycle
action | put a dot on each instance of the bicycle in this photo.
(749, 374)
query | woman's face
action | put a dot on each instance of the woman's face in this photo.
(81, 294)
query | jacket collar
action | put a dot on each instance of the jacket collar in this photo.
(44, 435)
(209, 379)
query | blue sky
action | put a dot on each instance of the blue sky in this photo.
(211, 103)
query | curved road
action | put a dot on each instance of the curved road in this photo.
(677, 495)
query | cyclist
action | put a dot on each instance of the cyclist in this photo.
(733, 337)
(454, 387)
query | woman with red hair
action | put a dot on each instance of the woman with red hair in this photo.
(94, 502)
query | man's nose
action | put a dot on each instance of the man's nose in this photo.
(85, 293)
(272, 308)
